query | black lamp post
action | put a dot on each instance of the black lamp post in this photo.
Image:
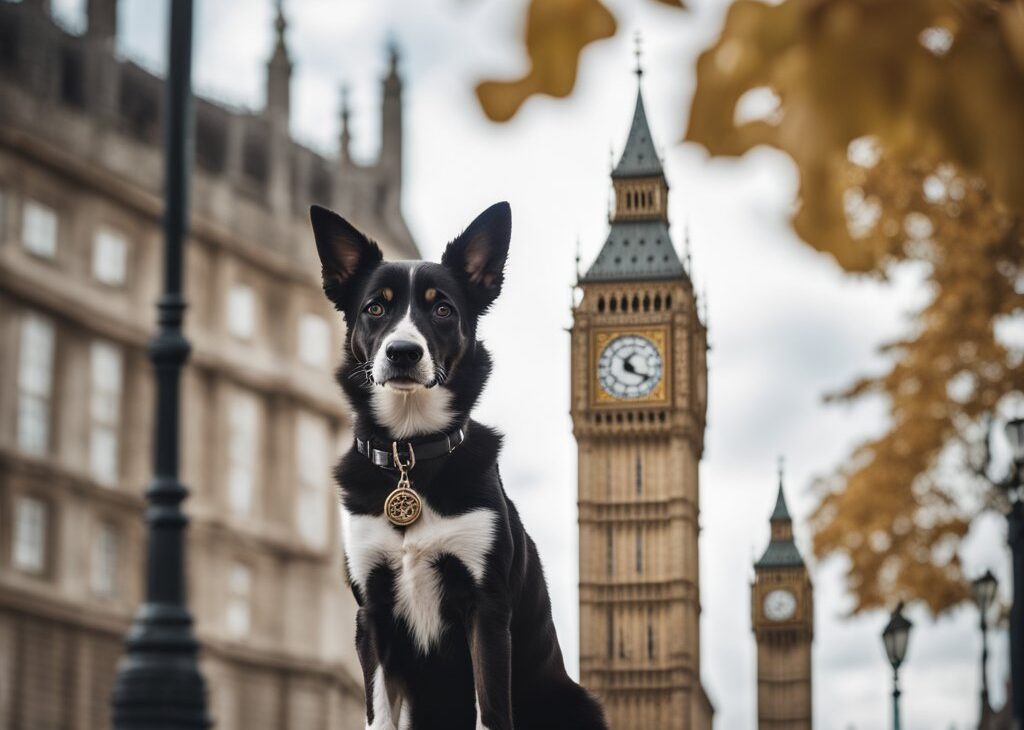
(895, 637)
(158, 683)
(984, 588)
(1014, 486)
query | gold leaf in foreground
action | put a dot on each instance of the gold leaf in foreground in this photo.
(556, 33)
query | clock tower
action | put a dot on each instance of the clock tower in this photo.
(782, 612)
(639, 396)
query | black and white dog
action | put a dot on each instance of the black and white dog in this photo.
(454, 613)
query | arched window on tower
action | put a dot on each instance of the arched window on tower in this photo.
(639, 475)
(639, 551)
(650, 639)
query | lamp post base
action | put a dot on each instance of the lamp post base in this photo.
(1015, 537)
(159, 686)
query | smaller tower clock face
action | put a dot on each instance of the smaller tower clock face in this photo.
(779, 605)
(629, 367)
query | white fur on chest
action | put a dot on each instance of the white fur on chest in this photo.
(371, 541)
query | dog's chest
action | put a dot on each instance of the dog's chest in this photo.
(412, 553)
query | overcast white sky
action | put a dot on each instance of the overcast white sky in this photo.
(785, 325)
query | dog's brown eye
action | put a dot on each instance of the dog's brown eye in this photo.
(442, 310)
(375, 309)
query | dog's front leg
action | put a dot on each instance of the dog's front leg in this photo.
(491, 646)
(381, 697)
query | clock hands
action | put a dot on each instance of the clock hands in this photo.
(629, 367)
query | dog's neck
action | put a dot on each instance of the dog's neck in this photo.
(405, 415)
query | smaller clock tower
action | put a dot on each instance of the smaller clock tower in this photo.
(782, 614)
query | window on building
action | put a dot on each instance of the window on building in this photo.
(239, 603)
(639, 475)
(639, 551)
(109, 257)
(610, 635)
(242, 453)
(610, 554)
(35, 383)
(314, 340)
(30, 523)
(105, 410)
(311, 453)
(39, 229)
(241, 311)
(105, 548)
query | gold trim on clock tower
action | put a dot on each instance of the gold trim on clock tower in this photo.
(639, 397)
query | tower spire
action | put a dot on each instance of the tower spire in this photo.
(279, 68)
(578, 275)
(638, 52)
(280, 25)
(391, 116)
(638, 246)
(345, 137)
(781, 511)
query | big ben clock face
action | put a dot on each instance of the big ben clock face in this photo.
(629, 367)
(779, 605)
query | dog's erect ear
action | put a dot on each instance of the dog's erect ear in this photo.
(478, 255)
(345, 253)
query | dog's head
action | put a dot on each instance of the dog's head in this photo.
(413, 364)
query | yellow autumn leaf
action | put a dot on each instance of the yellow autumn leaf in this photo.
(556, 33)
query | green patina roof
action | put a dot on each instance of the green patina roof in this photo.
(781, 511)
(636, 250)
(781, 553)
(639, 157)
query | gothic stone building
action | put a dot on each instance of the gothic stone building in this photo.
(80, 242)
(639, 396)
(782, 614)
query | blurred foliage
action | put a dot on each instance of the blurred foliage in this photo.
(556, 33)
(905, 119)
(896, 509)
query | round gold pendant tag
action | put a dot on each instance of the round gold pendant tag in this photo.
(403, 507)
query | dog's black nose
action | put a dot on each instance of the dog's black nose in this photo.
(404, 352)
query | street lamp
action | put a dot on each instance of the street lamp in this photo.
(984, 588)
(1015, 536)
(895, 637)
(158, 683)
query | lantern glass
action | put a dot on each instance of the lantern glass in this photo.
(1015, 435)
(984, 590)
(896, 636)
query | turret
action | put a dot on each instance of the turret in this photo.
(102, 19)
(102, 74)
(279, 71)
(345, 136)
(391, 122)
(276, 112)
